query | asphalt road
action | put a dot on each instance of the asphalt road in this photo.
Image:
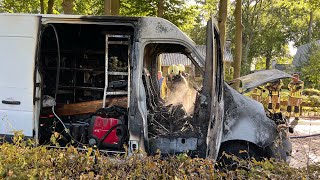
(305, 148)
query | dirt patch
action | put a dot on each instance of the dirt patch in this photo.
(305, 151)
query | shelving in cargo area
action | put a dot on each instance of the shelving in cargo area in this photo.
(87, 85)
(84, 74)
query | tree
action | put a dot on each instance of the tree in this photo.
(202, 11)
(272, 40)
(198, 32)
(176, 11)
(160, 8)
(89, 7)
(111, 7)
(68, 6)
(265, 36)
(50, 6)
(253, 11)
(223, 11)
(301, 20)
(310, 70)
(41, 7)
(238, 43)
(20, 6)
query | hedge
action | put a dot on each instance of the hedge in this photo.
(22, 161)
(311, 92)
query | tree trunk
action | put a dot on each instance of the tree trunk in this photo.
(310, 27)
(111, 7)
(160, 8)
(223, 11)
(41, 7)
(67, 6)
(115, 6)
(245, 52)
(268, 58)
(107, 7)
(50, 6)
(238, 44)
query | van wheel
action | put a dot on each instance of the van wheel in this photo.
(243, 150)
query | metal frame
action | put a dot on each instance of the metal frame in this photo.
(107, 73)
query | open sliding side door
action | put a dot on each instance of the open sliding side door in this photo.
(18, 46)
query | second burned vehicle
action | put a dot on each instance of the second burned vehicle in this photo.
(93, 80)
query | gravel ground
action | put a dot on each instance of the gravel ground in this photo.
(305, 150)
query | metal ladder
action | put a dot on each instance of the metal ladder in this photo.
(114, 73)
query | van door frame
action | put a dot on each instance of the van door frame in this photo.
(213, 92)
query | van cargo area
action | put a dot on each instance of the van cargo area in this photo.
(85, 82)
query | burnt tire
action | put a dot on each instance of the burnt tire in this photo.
(242, 150)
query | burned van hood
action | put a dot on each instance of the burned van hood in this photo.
(251, 81)
(245, 119)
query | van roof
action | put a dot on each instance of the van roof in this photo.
(149, 27)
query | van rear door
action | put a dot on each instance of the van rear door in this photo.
(18, 45)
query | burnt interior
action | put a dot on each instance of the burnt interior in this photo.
(170, 128)
(82, 64)
(78, 93)
(73, 88)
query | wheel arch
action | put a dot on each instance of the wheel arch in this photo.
(263, 152)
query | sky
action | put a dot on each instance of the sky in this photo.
(292, 49)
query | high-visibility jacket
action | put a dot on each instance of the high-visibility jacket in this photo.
(257, 91)
(170, 84)
(274, 88)
(164, 89)
(295, 89)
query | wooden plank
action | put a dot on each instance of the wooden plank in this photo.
(86, 107)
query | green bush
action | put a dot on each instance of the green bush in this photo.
(21, 161)
(311, 92)
(313, 101)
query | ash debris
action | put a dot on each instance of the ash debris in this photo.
(172, 121)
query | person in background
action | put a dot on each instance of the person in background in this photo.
(182, 70)
(173, 83)
(160, 79)
(274, 89)
(295, 96)
(257, 93)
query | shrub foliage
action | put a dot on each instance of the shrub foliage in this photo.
(22, 161)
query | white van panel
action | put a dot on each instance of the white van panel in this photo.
(16, 121)
(23, 95)
(17, 62)
(19, 25)
(18, 44)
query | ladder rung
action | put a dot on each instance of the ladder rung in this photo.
(117, 36)
(117, 92)
(82, 87)
(118, 42)
(118, 73)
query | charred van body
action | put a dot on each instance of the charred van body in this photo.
(92, 81)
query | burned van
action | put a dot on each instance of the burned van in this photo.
(92, 81)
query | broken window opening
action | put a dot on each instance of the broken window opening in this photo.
(172, 126)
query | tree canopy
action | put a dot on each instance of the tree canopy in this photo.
(268, 25)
